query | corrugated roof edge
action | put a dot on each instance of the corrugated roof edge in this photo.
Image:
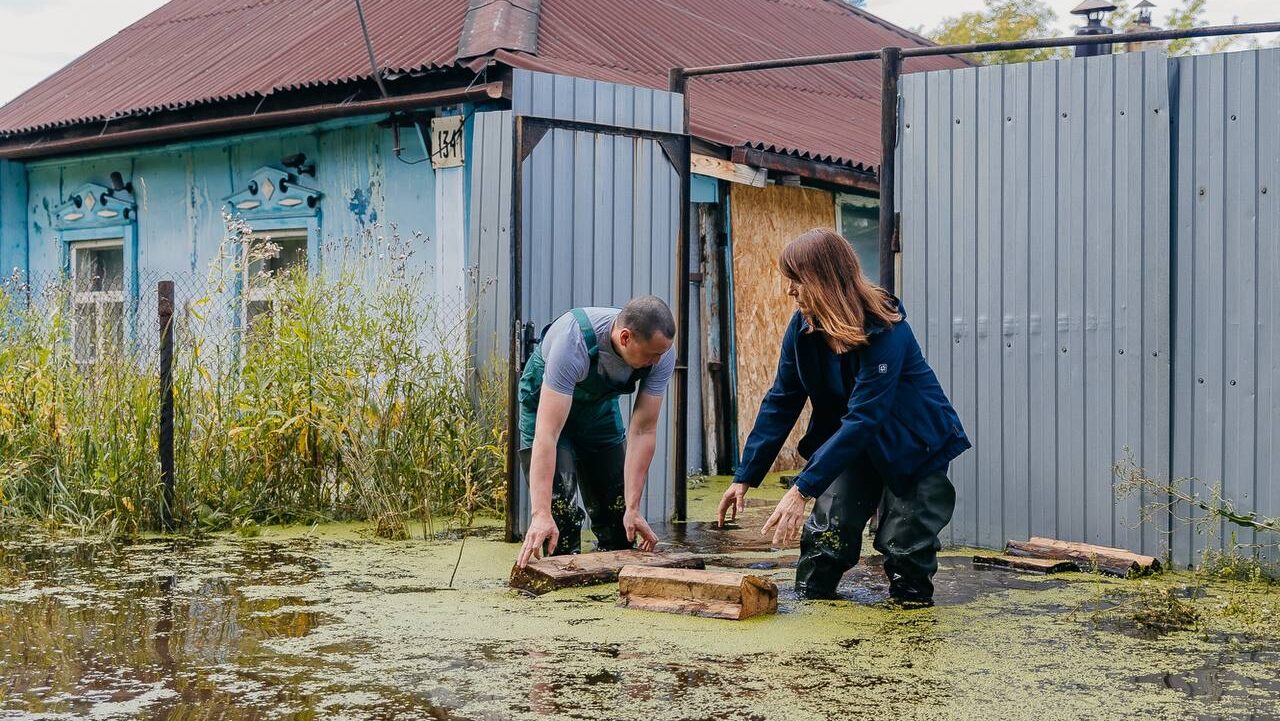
(209, 100)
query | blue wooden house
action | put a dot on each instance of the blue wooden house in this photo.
(311, 124)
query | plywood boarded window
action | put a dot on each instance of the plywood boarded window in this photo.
(763, 221)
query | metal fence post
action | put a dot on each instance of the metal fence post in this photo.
(164, 292)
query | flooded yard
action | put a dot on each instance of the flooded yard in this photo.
(329, 622)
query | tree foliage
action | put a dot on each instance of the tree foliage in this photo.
(1005, 20)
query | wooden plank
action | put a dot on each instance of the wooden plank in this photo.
(713, 594)
(1114, 561)
(728, 170)
(762, 222)
(589, 569)
(1024, 563)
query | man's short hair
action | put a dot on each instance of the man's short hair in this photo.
(646, 315)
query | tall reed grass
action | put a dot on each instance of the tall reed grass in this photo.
(351, 396)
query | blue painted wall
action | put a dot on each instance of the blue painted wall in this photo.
(180, 191)
(13, 219)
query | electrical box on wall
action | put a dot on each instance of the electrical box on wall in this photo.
(447, 148)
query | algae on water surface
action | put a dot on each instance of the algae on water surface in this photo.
(328, 622)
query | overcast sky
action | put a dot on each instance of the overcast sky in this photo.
(40, 37)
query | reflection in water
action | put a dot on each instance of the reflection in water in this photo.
(307, 629)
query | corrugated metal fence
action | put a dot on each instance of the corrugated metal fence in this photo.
(601, 219)
(1070, 323)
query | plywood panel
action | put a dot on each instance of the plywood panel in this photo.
(763, 221)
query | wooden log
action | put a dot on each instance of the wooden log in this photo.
(1029, 565)
(1113, 561)
(714, 594)
(589, 569)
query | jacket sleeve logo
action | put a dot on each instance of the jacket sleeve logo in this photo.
(884, 368)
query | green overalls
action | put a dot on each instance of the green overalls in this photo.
(591, 450)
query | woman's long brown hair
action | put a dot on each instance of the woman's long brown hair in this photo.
(836, 297)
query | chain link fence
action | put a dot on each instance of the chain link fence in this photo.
(343, 390)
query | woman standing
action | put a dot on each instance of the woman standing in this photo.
(881, 429)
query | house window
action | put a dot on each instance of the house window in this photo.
(860, 225)
(267, 256)
(97, 282)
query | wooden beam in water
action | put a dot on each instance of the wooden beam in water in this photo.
(1030, 565)
(589, 569)
(1113, 561)
(713, 594)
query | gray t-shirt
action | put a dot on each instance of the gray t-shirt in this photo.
(564, 352)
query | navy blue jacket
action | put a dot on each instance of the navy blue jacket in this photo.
(878, 407)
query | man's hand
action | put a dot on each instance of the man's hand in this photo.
(733, 501)
(787, 519)
(635, 525)
(542, 529)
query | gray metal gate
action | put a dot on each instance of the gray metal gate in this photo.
(1070, 320)
(594, 176)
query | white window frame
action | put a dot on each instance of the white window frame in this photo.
(98, 299)
(256, 293)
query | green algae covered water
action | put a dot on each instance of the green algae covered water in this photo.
(329, 623)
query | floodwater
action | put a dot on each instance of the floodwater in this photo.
(330, 623)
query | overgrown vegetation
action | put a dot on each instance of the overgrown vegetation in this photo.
(346, 396)
(1204, 507)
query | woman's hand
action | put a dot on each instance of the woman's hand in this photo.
(787, 519)
(733, 500)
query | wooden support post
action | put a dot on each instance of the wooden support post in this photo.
(164, 292)
(589, 569)
(714, 594)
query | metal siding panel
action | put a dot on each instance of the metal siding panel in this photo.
(559, 243)
(1014, 271)
(1184, 296)
(989, 401)
(1042, 301)
(624, 169)
(1267, 348)
(642, 216)
(1156, 260)
(913, 195)
(605, 149)
(1099, 268)
(1209, 173)
(1071, 283)
(965, 391)
(1239, 321)
(1128, 288)
(583, 203)
(522, 91)
(937, 127)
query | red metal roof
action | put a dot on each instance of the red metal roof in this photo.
(198, 51)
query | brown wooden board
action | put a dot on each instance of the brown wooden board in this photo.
(1029, 565)
(1113, 561)
(762, 222)
(589, 569)
(714, 594)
